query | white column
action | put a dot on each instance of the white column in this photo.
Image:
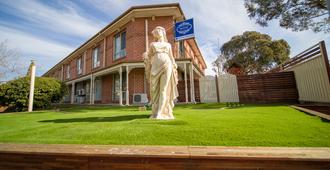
(72, 92)
(33, 73)
(147, 48)
(146, 34)
(91, 91)
(127, 90)
(192, 93)
(185, 82)
(120, 86)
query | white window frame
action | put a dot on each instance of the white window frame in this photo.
(96, 58)
(122, 52)
(79, 65)
(68, 71)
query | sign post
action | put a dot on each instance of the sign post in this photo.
(184, 30)
(32, 78)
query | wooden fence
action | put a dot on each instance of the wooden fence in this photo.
(312, 73)
(267, 88)
(304, 78)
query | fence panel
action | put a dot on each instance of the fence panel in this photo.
(312, 72)
(208, 89)
(312, 80)
(228, 91)
(267, 88)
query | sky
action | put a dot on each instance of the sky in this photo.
(47, 31)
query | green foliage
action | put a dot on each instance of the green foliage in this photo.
(15, 93)
(254, 52)
(297, 15)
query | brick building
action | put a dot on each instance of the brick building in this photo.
(108, 68)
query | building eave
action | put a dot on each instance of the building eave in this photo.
(103, 32)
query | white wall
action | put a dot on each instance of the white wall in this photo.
(312, 80)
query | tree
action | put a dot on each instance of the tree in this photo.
(254, 52)
(10, 63)
(297, 15)
(218, 65)
(15, 93)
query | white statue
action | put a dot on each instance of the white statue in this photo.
(161, 71)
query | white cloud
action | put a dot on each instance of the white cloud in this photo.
(30, 44)
(220, 20)
(66, 21)
(45, 52)
(216, 22)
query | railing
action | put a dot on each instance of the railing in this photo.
(304, 56)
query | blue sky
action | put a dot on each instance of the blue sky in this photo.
(47, 31)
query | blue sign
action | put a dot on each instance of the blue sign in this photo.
(184, 29)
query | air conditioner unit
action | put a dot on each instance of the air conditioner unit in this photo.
(140, 98)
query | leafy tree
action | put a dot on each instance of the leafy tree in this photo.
(254, 52)
(15, 93)
(297, 15)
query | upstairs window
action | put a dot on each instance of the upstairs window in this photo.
(96, 57)
(68, 71)
(119, 45)
(79, 65)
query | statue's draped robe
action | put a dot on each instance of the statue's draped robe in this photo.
(163, 80)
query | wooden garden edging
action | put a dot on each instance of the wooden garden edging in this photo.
(65, 156)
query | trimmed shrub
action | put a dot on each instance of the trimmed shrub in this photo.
(15, 93)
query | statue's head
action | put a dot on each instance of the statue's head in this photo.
(159, 33)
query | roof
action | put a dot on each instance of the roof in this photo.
(177, 5)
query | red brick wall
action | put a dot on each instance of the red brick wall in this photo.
(73, 69)
(138, 39)
(135, 47)
(135, 44)
(109, 50)
(107, 88)
(167, 22)
(88, 61)
(136, 82)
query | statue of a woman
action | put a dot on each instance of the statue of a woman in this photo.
(161, 71)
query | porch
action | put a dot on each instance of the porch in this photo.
(126, 84)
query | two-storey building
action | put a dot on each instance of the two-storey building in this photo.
(109, 68)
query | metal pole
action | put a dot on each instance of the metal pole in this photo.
(33, 72)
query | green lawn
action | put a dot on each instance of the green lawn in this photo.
(201, 124)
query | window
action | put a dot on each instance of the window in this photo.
(116, 85)
(120, 45)
(79, 65)
(96, 57)
(98, 89)
(68, 71)
(181, 48)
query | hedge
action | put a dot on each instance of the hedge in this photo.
(15, 93)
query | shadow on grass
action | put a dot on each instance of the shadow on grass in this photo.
(98, 119)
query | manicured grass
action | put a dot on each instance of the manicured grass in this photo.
(201, 124)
